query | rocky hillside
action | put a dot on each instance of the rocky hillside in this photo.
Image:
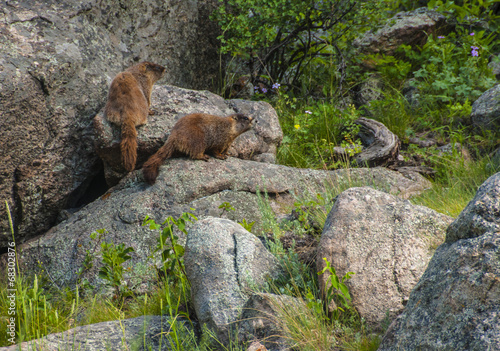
(420, 279)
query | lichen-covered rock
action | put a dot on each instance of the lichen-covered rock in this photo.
(184, 184)
(141, 333)
(171, 103)
(485, 113)
(57, 59)
(409, 28)
(386, 241)
(455, 305)
(223, 262)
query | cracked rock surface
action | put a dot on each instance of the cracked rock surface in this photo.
(223, 263)
(386, 241)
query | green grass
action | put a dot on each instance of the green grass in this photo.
(457, 183)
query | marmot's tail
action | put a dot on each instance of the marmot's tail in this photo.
(150, 169)
(128, 145)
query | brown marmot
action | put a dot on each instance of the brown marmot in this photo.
(195, 135)
(128, 104)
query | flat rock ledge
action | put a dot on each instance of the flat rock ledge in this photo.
(184, 184)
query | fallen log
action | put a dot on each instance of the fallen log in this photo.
(381, 146)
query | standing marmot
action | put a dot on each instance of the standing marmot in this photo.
(194, 135)
(128, 104)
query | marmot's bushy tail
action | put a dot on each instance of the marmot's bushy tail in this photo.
(150, 169)
(128, 145)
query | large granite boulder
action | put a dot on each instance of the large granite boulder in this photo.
(455, 305)
(386, 241)
(224, 262)
(171, 103)
(181, 185)
(57, 59)
(409, 28)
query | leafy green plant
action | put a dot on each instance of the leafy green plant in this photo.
(113, 258)
(468, 12)
(311, 134)
(226, 207)
(337, 291)
(247, 225)
(167, 244)
(452, 68)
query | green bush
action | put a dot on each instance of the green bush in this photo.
(452, 68)
(279, 39)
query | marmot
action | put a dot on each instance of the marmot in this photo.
(128, 104)
(196, 134)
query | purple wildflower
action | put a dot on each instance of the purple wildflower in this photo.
(264, 90)
(308, 112)
(255, 88)
(441, 37)
(474, 53)
(276, 85)
(471, 33)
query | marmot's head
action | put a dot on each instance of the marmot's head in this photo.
(243, 122)
(149, 69)
(156, 70)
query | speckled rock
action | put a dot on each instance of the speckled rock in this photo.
(455, 305)
(57, 59)
(409, 28)
(386, 241)
(223, 263)
(181, 185)
(141, 333)
(485, 113)
(171, 103)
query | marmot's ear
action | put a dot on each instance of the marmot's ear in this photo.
(143, 67)
(235, 117)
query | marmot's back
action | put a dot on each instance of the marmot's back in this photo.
(128, 104)
(195, 135)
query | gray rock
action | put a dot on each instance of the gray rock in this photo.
(386, 241)
(481, 215)
(371, 89)
(141, 333)
(223, 262)
(455, 305)
(411, 93)
(422, 142)
(409, 28)
(57, 59)
(184, 184)
(171, 103)
(485, 113)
